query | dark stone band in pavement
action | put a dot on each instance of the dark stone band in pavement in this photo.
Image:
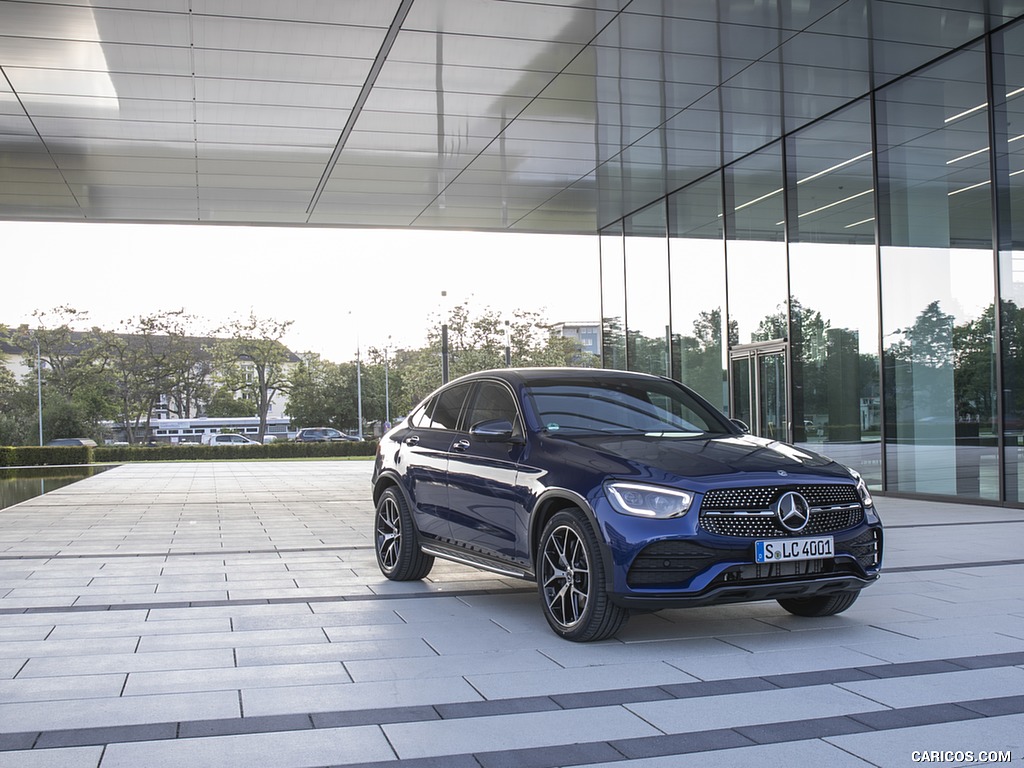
(597, 751)
(101, 607)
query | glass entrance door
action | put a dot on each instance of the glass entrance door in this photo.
(759, 391)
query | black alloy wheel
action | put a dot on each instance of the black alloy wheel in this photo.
(398, 553)
(570, 579)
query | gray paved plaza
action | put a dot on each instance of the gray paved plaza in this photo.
(232, 614)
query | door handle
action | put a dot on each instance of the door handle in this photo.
(412, 440)
(460, 445)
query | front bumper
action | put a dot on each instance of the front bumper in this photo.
(665, 564)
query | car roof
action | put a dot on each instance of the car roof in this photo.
(528, 375)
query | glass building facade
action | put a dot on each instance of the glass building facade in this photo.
(854, 285)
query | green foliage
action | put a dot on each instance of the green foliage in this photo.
(224, 404)
(196, 452)
(47, 455)
(477, 342)
(254, 361)
(94, 376)
(323, 394)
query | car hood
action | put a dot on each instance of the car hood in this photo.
(665, 459)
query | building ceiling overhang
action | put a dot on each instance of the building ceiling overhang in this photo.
(503, 115)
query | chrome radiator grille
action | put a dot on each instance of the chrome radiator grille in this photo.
(747, 512)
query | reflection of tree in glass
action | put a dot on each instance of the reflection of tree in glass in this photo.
(935, 343)
(699, 357)
(614, 342)
(1012, 318)
(929, 341)
(973, 358)
(832, 381)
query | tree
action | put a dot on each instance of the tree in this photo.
(477, 342)
(15, 426)
(253, 361)
(188, 365)
(319, 394)
(224, 404)
(68, 356)
(74, 387)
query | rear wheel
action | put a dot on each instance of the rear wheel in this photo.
(571, 578)
(398, 551)
(828, 605)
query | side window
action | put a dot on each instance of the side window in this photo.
(492, 402)
(418, 418)
(448, 407)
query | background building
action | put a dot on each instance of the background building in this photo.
(856, 285)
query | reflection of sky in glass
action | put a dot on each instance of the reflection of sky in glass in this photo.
(839, 281)
(757, 284)
(960, 280)
(698, 281)
(647, 287)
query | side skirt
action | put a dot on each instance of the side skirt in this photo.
(476, 561)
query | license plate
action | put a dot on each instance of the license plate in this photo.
(782, 550)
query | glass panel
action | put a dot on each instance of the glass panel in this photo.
(771, 401)
(742, 403)
(697, 280)
(613, 299)
(1008, 75)
(647, 298)
(834, 285)
(756, 253)
(938, 282)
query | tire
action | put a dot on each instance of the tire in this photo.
(394, 536)
(571, 578)
(828, 605)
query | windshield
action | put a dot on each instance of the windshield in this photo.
(623, 406)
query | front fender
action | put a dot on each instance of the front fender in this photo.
(553, 500)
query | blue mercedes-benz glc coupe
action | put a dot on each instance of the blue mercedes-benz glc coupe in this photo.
(617, 492)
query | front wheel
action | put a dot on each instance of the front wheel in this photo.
(828, 605)
(571, 578)
(398, 551)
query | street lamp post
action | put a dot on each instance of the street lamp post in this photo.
(359, 390)
(358, 375)
(444, 340)
(359, 380)
(39, 387)
(387, 388)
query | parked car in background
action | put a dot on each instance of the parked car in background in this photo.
(230, 438)
(79, 441)
(322, 435)
(615, 492)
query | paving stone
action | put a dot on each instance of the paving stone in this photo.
(740, 709)
(892, 748)
(289, 749)
(516, 731)
(102, 736)
(243, 604)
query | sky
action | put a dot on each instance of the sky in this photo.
(341, 288)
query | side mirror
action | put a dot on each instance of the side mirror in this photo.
(493, 430)
(743, 427)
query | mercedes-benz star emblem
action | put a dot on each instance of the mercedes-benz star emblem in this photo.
(793, 511)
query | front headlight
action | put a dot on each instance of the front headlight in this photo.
(647, 500)
(862, 489)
